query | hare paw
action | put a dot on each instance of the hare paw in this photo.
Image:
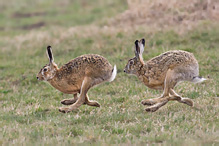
(96, 104)
(68, 101)
(187, 101)
(151, 109)
(64, 109)
(148, 102)
(93, 103)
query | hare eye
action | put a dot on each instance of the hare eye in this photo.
(131, 62)
(45, 69)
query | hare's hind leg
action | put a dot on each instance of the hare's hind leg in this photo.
(70, 101)
(175, 96)
(91, 102)
(86, 85)
(170, 81)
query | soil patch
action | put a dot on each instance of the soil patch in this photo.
(26, 15)
(34, 26)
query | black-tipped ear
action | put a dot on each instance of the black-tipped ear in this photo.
(137, 49)
(49, 53)
(143, 41)
(136, 42)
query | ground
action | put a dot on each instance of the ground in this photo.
(29, 108)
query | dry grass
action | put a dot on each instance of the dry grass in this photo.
(162, 14)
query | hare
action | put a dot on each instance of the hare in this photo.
(163, 72)
(77, 76)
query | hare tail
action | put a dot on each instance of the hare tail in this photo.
(113, 76)
(198, 79)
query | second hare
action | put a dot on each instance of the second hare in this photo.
(77, 76)
(163, 72)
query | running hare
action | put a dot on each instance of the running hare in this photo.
(77, 76)
(163, 73)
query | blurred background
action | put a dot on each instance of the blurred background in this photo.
(24, 16)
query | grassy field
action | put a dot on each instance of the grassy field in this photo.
(29, 108)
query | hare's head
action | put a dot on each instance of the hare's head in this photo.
(135, 63)
(49, 70)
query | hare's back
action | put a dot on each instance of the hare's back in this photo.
(92, 60)
(172, 59)
(89, 62)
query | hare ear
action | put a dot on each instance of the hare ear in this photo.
(142, 45)
(143, 41)
(49, 53)
(139, 49)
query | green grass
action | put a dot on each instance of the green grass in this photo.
(29, 108)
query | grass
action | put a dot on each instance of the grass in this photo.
(29, 109)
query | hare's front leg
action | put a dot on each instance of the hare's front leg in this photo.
(70, 101)
(159, 104)
(151, 101)
(86, 85)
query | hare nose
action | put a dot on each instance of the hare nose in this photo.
(124, 70)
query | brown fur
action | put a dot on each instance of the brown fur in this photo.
(77, 76)
(163, 72)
